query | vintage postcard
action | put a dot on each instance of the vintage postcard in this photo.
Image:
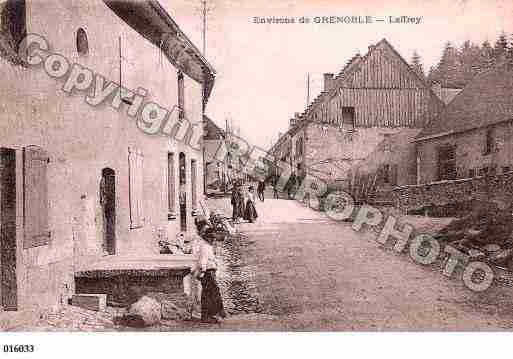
(267, 165)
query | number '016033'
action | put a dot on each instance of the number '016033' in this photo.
(18, 348)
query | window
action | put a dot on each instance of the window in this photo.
(181, 95)
(194, 193)
(386, 173)
(13, 27)
(506, 169)
(393, 175)
(471, 173)
(348, 117)
(135, 173)
(299, 147)
(82, 42)
(483, 171)
(489, 142)
(447, 162)
(183, 191)
(171, 190)
(35, 205)
(387, 145)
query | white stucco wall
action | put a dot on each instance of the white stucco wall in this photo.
(82, 140)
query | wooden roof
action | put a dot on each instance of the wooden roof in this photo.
(486, 100)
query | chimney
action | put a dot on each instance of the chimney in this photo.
(328, 81)
(437, 89)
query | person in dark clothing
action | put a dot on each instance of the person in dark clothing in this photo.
(275, 188)
(260, 190)
(250, 214)
(291, 186)
(237, 204)
(211, 301)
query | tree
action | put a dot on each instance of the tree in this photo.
(510, 51)
(416, 65)
(487, 56)
(501, 48)
(433, 75)
(451, 74)
(470, 60)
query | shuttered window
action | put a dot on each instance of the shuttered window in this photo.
(35, 205)
(447, 162)
(135, 164)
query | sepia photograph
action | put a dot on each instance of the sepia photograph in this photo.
(201, 166)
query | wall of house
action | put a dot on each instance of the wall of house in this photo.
(81, 140)
(399, 153)
(470, 147)
(334, 148)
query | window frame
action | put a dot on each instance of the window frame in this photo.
(442, 173)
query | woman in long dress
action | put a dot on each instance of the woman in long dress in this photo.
(211, 301)
(250, 213)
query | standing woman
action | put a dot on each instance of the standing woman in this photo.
(211, 301)
(250, 214)
(235, 203)
(241, 201)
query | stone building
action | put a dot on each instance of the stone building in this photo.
(391, 164)
(470, 141)
(86, 193)
(374, 96)
(216, 171)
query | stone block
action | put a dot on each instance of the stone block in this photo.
(96, 302)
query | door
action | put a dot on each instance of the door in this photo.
(8, 286)
(108, 202)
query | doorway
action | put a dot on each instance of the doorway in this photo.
(8, 285)
(108, 202)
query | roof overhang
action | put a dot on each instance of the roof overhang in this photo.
(153, 23)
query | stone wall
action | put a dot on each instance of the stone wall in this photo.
(444, 193)
(470, 154)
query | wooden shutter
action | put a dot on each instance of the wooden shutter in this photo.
(35, 208)
(135, 164)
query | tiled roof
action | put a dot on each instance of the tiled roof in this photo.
(486, 100)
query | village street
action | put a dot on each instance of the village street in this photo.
(296, 269)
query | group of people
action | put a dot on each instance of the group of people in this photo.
(204, 288)
(243, 204)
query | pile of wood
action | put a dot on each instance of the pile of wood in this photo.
(485, 234)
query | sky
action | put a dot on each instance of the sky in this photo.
(262, 69)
